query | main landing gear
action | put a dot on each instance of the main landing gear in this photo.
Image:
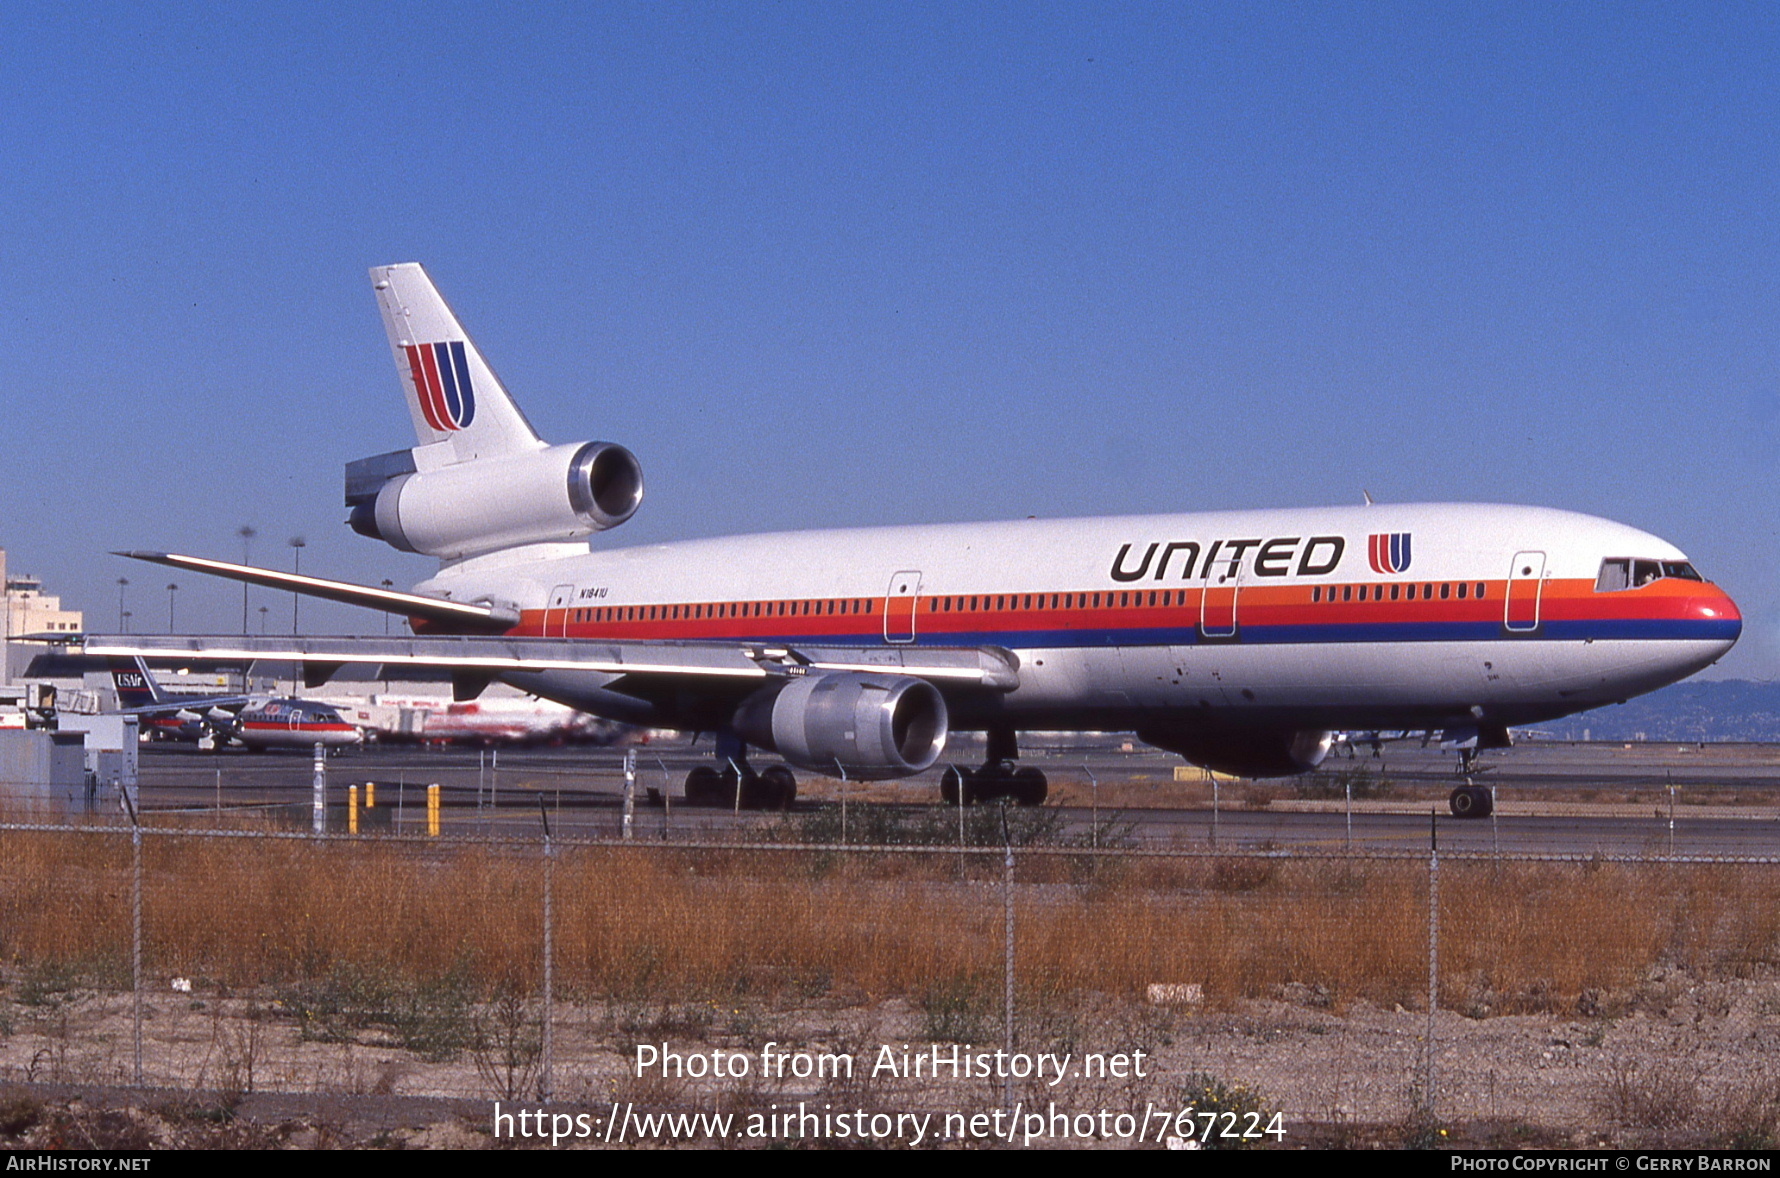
(773, 788)
(998, 778)
(1470, 800)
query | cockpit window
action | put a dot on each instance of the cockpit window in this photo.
(1626, 573)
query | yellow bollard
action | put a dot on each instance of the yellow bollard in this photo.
(352, 809)
(432, 810)
(370, 795)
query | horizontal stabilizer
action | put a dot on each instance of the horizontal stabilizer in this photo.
(455, 614)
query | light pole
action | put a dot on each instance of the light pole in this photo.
(264, 610)
(297, 544)
(123, 623)
(246, 532)
(387, 585)
(171, 590)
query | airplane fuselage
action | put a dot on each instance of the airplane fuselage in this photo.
(1365, 617)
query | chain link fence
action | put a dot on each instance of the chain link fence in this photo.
(976, 968)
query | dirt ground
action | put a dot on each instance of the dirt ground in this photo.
(1676, 1061)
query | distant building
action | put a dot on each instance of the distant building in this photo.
(26, 609)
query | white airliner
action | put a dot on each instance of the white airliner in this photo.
(1238, 640)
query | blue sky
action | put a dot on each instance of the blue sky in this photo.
(824, 264)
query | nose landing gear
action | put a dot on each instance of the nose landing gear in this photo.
(1470, 801)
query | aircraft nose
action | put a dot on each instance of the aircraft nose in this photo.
(1716, 616)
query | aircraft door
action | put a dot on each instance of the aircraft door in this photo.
(1526, 583)
(556, 615)
(899, 606)
(1217, 601)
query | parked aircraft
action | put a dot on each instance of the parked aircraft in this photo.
(254, 722)
(1237, 639)
(430, 719)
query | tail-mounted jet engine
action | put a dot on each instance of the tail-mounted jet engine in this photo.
(1246, 754)
(871, 727)
(486, 504)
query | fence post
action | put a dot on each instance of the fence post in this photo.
(1349, 790)
(1094, 785)
(1007, 941)
(318, 793)
(1671, 775)
(630, 792)
(135, 936)
(1427, 1108)
(546, 1068)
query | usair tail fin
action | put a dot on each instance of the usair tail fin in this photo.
(136, 686)
(453, 395)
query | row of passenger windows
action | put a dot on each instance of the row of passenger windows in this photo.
(980, 603)
(726, 609)
(1400, 591)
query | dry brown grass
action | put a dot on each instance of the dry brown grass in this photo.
(682, 925)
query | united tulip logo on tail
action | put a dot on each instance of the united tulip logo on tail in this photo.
(442, 378)
(1388, 552)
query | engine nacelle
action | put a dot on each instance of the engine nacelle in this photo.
(871, 726)
(1246, 754)
(469, 508)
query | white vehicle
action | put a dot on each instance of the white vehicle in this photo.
(1237, 639)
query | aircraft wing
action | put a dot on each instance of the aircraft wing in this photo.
(192, 707)
(457, 614)
(474, 660)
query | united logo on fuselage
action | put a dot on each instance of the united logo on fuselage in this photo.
(1316, 556)
(441, 375)
(1388, 552)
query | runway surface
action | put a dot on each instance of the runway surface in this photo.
(1558, 799)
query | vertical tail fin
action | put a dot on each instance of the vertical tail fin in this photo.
(136, 686)
(453, 395)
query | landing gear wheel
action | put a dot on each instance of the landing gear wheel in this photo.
(776, 788)
(1029, 787)
(992, 782)
(703, 787)
(955, 786)
(1470, 801)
